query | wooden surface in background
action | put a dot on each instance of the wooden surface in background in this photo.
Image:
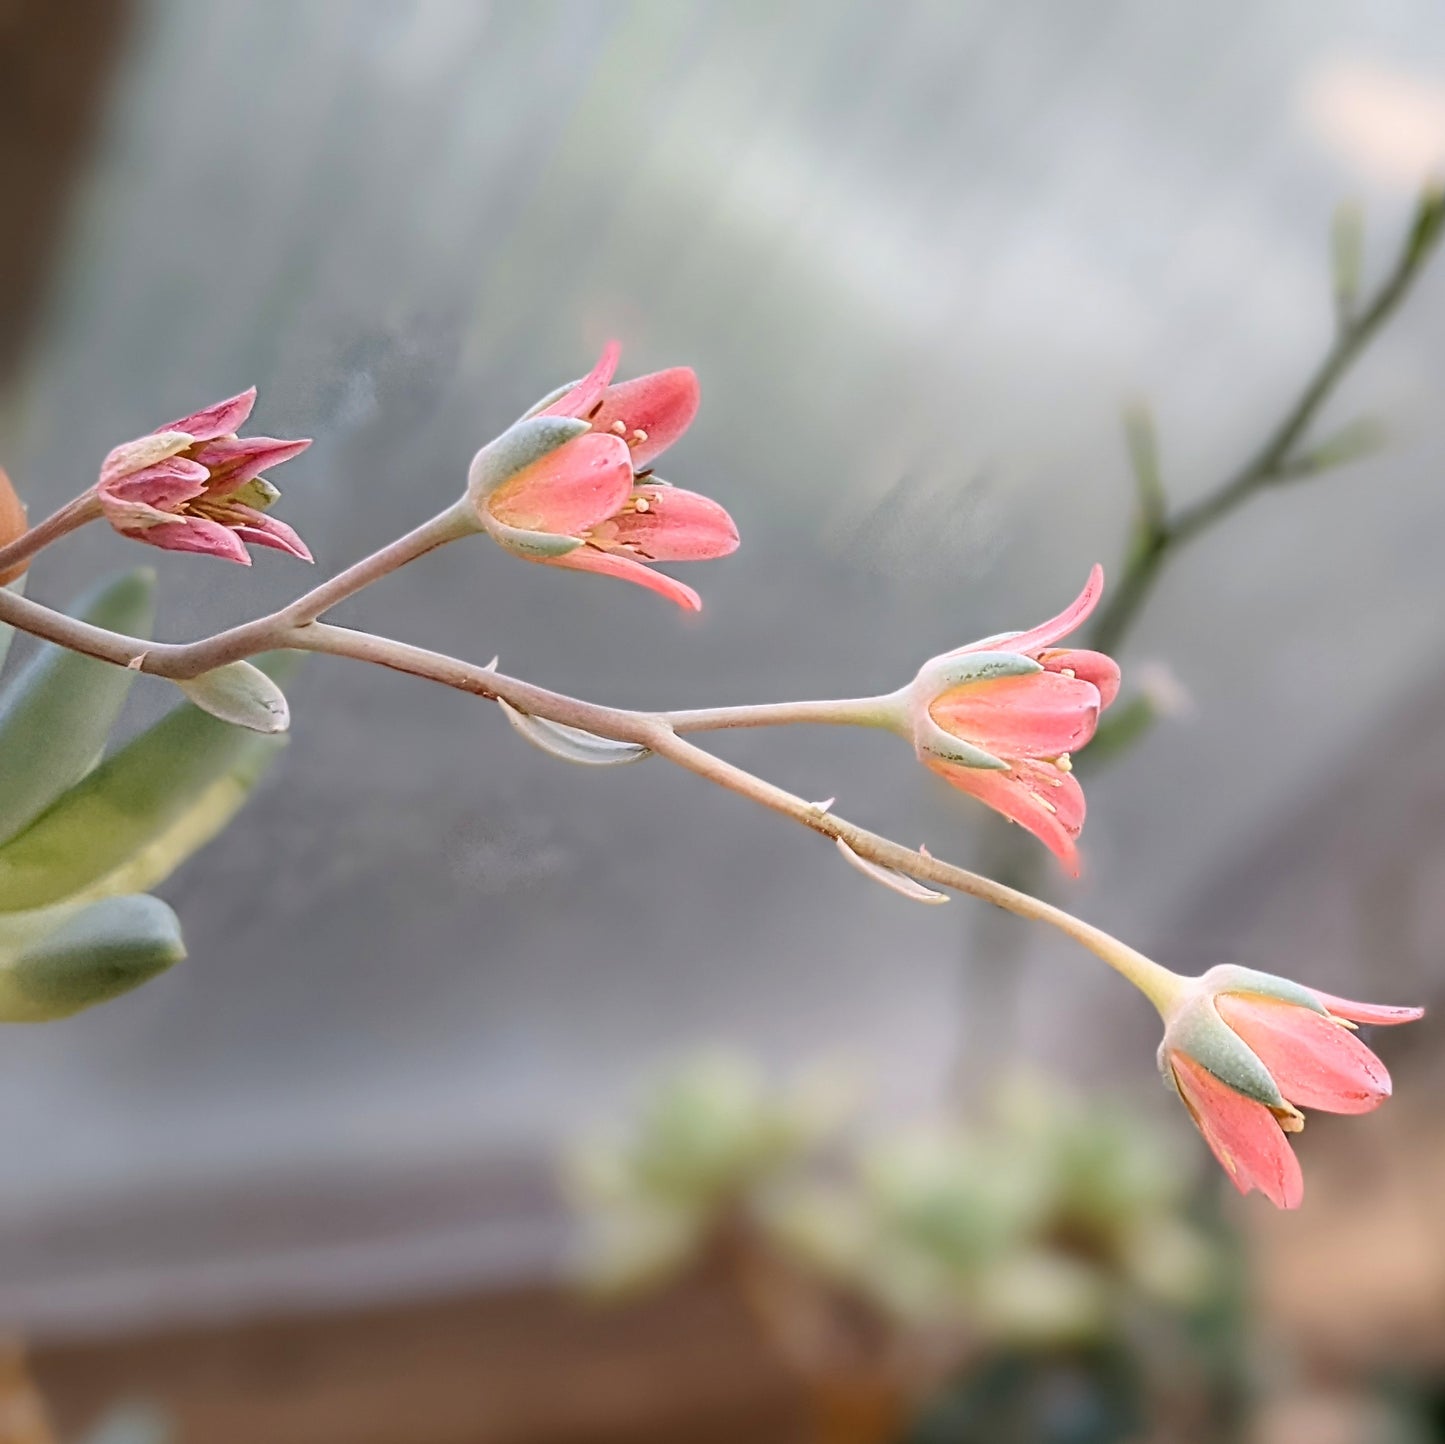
(535, 1366)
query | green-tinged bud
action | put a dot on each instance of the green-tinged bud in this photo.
(524, 442)
(959, 668)
(258, 493)
(242, 695)
(62, 960)
(572, 744)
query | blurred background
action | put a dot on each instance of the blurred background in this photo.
(312, 1185)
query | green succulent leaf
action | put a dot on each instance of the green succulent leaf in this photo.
(59, 960)
(242, 695)
(139, 814)
(57, 712)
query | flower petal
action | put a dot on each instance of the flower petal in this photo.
(1036, 795)
(1317, 1062)
(1042, 714)
(568, 490)
(609, 564)
(195, 534)
(581, 398)
(132, 456)
(1244, 1135)
(668, 524)
(660, 406)
(165, 485)
(235, 460)
(266, 531)
(1056, 628)
(221, 418)
(1093, 667)
(1376, 1013)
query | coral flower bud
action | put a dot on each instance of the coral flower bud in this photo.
(1247, 1050)
(570, 484)
(195, 486)
(999, 719)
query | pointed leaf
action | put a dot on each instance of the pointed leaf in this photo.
(242, 695)
(56, 714)
(572, 744)
(132, 802)
(60, 960)
(891, 878)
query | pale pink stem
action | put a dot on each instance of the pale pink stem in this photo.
(74, 514)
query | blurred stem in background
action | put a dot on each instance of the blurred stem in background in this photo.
(992, 974)
(1284, 456)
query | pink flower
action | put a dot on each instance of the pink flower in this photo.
(1246, 1051)
(195, 486)
(570, 484)
(999, 719)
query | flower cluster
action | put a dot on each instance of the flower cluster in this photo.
(196, 486)
(571, 484)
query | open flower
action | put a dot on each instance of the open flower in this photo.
(1000, 718)
(1247, 1050)
(570, 484)
(195, 486)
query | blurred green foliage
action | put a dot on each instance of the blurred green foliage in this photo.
(84, 836)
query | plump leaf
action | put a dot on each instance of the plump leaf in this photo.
(572, 744)
(145, 807)
(59, 960)
(242, 695)
(57, 712)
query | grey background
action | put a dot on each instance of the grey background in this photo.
(920, 255)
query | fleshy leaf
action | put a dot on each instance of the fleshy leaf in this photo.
(572, 744)
(55, 715)
(242, 695)
(131, 802)
(58, 961)
(891, 878)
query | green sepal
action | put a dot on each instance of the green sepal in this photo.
(1229, 978)
(1200, 1033)
(930, 740)
(958, 669)
(56, 714)
(573, 744)
(536, 546)
(522, 443)
(60, 960)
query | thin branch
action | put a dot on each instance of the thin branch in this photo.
(648, 729)
(1275, 460)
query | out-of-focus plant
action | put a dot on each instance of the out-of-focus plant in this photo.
(879, 1264)
(84, 835)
